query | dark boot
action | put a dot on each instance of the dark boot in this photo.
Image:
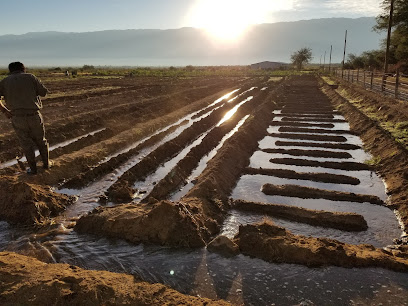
(32, 170)
(45, 156)
(30, 156)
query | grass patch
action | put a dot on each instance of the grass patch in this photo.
(329, 80)
(374, 161)
(275, 79)
(80, 92)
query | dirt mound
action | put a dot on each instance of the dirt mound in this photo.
(338, 220)
(30, 204)
(165, 223)
(273, 243)
(24, 280)
(315, 193)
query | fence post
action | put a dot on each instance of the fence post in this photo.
(383, 82)
(396, 84)
(348, 75)
(358, 72)
(352, 76)
(364, 79)
(372, 80)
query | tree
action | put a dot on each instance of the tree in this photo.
(355, 62)
(399, 37)
(301, 57)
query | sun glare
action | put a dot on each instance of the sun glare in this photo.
(227, 20)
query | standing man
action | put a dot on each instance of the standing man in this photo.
(21, 93)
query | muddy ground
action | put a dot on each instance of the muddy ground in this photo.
(139, 131)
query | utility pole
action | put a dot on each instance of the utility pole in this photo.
(387, 50)
(324, 62)
(344, 55)
(331, 49)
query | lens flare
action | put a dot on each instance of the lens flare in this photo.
(228, 20)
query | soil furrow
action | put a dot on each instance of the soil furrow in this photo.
(178, 175)
(315, 193)
(316, 177)
(308, 111)
(294, 123)
(343, 221)
(351, 166)
(163, 153)
(317, 116)
(341, 146)
(275, 244)
(310, 153)
(310, 137)
(86, 177)
(312, 119)
(316, 131)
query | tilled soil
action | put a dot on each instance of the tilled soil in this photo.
(157, 134)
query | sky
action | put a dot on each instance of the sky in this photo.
(221, 17)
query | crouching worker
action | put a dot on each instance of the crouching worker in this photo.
(21, 93)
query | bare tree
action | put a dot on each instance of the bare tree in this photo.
(301, 57)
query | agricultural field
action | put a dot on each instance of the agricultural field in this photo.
(208, 187)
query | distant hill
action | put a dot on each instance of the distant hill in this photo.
(190, 46)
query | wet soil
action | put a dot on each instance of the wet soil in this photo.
(27, 280)
(314, 193)
(311, 153)
(352, 166)
(316, 131)
(276, 244)
(341, 146)
(164, 223)
(341, 221)
(294, 123)
(317, 177)
(310, 137)
(314, 119)
(30, 204)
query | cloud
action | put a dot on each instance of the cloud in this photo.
(363, 7)
(340, 7)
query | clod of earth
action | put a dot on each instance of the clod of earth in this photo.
(30, 204)
(275, 244)
(164, 223)
(25, 280)
(337, 220)
(224, 246)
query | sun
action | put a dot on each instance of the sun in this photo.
(228, 20)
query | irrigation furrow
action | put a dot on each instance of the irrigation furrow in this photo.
(318, 179)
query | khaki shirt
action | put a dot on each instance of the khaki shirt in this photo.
(21, 92)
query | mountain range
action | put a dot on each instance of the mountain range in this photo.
(191, 46)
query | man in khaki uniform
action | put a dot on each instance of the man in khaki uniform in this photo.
(21, 93)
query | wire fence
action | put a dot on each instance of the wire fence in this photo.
(390, 84)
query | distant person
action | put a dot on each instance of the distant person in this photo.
(21, 93)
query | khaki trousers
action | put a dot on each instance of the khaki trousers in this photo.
(31, 134)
